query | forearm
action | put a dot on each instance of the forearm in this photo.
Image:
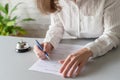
(103, 44)
(54, 35)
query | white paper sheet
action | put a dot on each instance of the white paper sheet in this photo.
(52, 65)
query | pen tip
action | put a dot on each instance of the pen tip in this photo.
(48, 58)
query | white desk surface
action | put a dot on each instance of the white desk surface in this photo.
(14, 66)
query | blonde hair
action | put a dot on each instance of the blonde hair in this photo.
(48, 6)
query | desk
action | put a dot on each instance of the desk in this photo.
(14, 66)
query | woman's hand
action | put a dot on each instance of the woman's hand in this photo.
(73, 64)
(47, 47)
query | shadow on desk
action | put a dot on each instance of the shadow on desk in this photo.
(101, 63)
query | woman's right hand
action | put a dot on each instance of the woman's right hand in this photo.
(47, 47)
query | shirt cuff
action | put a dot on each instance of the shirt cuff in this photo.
(52, 41)
(92, 47)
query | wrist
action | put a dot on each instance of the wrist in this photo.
(88, 51)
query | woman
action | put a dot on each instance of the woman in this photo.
(83, 19)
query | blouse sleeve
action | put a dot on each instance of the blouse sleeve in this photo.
(55, 31)
(111, 35)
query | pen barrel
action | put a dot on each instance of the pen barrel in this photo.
(41, 48)
(46, 53)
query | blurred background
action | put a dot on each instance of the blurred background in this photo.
(28, 8)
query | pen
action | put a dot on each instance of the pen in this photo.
(41, 48)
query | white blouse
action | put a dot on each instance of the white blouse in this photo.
(87, 19)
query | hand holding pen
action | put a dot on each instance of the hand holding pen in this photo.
(43, 50)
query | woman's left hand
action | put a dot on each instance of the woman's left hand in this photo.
(73, 64)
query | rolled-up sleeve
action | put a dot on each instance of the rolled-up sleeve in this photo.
(55, 31)
(111, 35)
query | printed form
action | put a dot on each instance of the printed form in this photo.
(52, 66)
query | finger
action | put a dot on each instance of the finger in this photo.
(36, 48)
(74, 67)
(79, 69)
(61, 61)
(67, 60)
(38, 55)
(38, 52)
(45, 47)
(41, 57)
(68, 67)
